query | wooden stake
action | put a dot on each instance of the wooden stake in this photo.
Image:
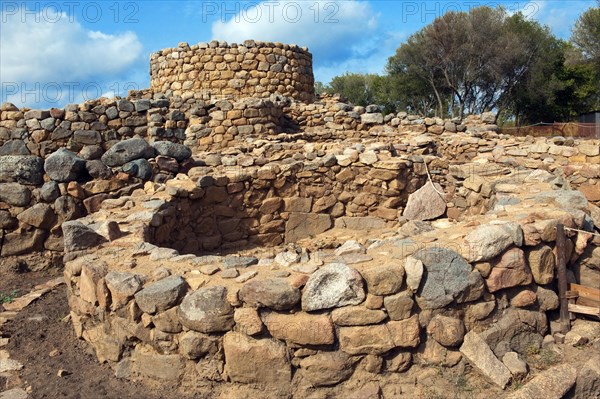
(572, 299)
(565, 324)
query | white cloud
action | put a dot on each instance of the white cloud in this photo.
(332, 30)
(559, 16)
(54, 51)
(374, 62)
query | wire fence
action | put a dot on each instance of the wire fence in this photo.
(569, 129)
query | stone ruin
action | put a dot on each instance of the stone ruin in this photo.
(217, 69)
(227, 227)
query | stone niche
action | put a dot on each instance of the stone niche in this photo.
(279, 202)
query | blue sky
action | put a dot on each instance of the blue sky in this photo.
(58, 52)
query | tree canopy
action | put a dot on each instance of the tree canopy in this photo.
(486, 59)
(586, 34)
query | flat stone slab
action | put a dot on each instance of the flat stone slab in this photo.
(9, 365)
(15, 393)
(426, 203)
(479, 354)
(302, 225)
(230, 262)
(553, 383)
(24, 301)
(360, 223)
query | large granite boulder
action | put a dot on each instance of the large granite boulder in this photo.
(77, 236)
(126, 151)
(446, 276)
(64, 166)
(26, 169)
(489, 240)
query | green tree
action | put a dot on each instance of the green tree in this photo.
(583, 60)
(586, 34)
(411, 89)
(321, 88)
(367, 89)
(418, 80)
(354, 87)
(563, 80)
(485, 59)
(533, 97)
(470, 61)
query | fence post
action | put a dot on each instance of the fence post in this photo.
(561, 263)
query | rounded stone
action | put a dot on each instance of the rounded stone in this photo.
(49, 192)
(139, 168)
(447, 275)
(97, 169)
(64, 166)
(333, 286)
(14, 194)
(447, 331)
(178, 151)
(207, 310)
(126, 151)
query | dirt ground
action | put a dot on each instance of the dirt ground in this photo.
(45, 344)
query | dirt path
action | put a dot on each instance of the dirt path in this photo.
(41, 340)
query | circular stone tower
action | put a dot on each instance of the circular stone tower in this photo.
(221, 70)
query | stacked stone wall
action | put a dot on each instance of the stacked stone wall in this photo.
(218, 69)
(248, 134)
(429, 294)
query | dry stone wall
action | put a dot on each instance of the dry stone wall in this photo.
(94, 126)
(57, 165)
(60, 164)
(232, 123)
(342, 180)
(317, 315)
(218, 69)
(233, 207)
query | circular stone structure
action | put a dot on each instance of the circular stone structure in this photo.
(218, 69)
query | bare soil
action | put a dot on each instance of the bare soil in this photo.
(45, 344)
